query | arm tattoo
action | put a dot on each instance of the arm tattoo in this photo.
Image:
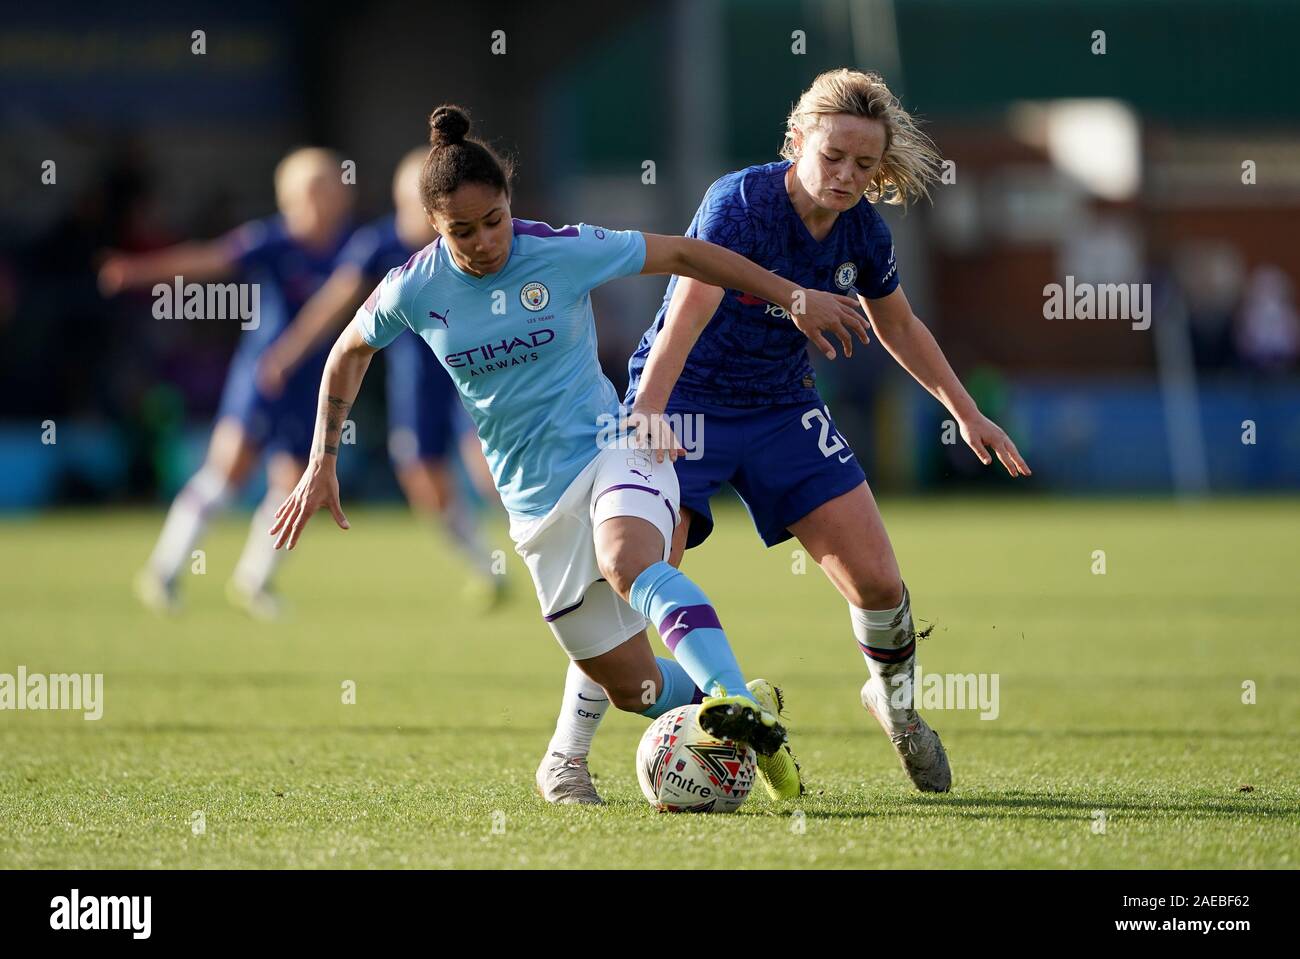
(335, 410)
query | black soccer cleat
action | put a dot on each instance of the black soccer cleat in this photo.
(739, 718)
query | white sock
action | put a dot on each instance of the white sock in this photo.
(461, 525)
(583, 706)
(888, 644)
(188, 516)
(258, 563)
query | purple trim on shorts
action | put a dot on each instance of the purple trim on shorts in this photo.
(610, 489)
(542, 229)
(676, 625)
(672, 517)
(568, 609)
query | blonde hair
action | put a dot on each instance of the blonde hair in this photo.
(910, 162)
(301, 164)
(413, 158)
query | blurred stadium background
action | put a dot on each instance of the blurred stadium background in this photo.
(1115, 168)
(1123, 694)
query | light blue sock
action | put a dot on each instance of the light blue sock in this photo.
(689, 628)
(675, 689)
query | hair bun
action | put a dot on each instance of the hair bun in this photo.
(448, 125)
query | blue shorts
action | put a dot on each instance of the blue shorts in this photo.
(425, 415)
(280, 424)
(784, 461)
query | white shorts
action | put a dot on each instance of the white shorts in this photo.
(586, 615)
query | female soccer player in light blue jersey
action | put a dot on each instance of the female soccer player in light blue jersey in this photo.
(504, 304)
(426, 423)
(742, 364)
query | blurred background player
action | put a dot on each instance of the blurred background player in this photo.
(289, 256)
(426, 422)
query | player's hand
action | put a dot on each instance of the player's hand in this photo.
(272, 373)
(982, 434)
(318, 488)
(653, 432)
(830, 314)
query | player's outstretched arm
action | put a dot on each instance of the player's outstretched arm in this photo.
(911, 343)
(319, 486)
(329, 308)
(198, 262)
(815, 312)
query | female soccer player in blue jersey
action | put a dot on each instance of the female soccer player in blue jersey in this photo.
(742, 363)
(426, 423)
(505, 305)
(288, 256)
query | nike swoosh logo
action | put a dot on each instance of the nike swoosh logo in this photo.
(845, 459)
(600, 700)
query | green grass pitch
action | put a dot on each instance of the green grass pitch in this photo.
(1122, 739)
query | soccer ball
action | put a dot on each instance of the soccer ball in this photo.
(682, 768)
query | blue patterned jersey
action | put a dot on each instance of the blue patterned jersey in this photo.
(751, 353)
(288, 274)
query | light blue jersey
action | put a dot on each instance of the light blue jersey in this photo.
(520, 345)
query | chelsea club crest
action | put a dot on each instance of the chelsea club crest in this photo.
(846, 274)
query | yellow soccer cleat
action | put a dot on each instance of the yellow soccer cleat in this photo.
(780, 770)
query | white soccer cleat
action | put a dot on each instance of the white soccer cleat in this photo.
(155, 593)
(260, 604)
(920, 750)
(566, 781)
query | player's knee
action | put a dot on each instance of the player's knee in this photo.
(877, 588)
(621, 565)
(230, 468)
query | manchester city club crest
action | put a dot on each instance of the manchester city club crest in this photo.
(846, 274)
(534, 296)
